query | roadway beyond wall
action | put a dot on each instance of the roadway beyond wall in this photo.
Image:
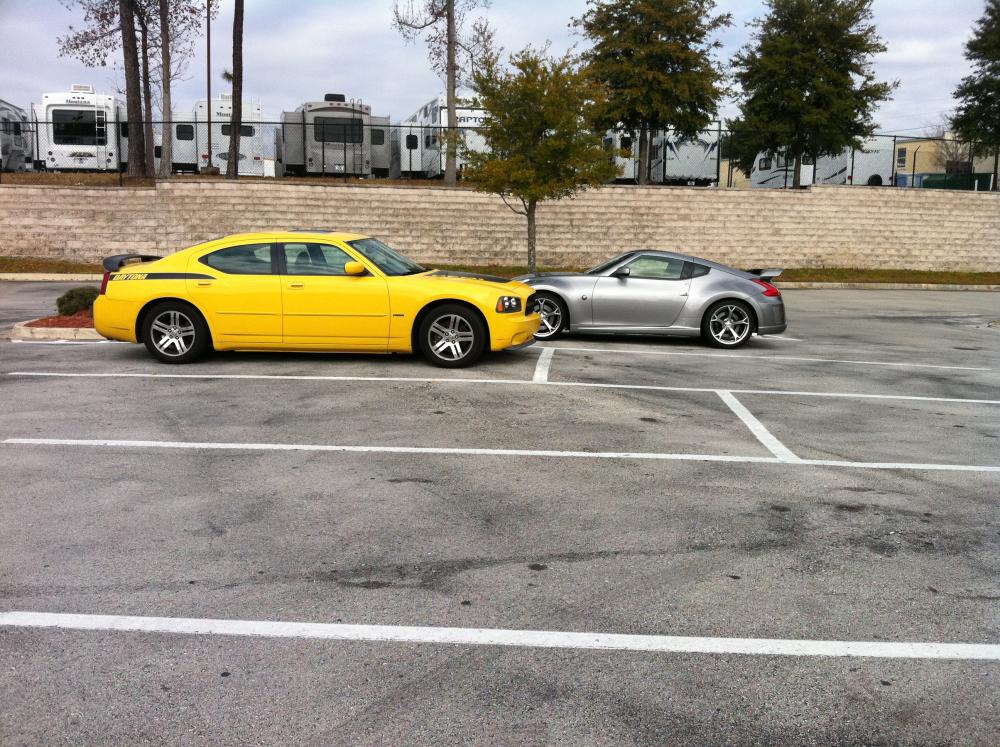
(866, 227)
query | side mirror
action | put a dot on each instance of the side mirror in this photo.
(621, 272)
(354, 268)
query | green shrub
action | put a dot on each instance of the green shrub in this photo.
(76, 299)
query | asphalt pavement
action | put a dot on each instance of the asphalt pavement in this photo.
(839, 484)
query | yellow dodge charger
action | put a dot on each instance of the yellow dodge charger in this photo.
(308, 291)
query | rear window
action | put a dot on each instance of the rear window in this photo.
(250, 259)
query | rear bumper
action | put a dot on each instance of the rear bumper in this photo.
(115, 319)
(776, 329)
(513, 330)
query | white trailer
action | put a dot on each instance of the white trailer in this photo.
(431, 120)
(78, 131)
(693, 161)
(190, 151)
(406, 149)
(333, 136)
(871, 165)
(16, 145)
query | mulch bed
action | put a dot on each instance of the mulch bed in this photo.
(78, 320)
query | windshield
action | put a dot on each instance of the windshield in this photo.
(604, 266)
(385, 258)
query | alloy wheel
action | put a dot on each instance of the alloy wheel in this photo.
(730, 324)
(173, 333)
(451, 337)
(551, 316)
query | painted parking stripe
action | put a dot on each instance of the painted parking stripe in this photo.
(436, 380)
(779, 358)
(542, 367)
(459, 451)
(770, 442)
(69, 342)
(544, 639)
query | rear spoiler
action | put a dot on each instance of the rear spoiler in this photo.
(115, 263)
(766, 274)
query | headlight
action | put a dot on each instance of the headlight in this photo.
(508, 304)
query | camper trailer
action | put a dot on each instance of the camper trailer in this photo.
(430, 120)
(406, 151)
(694, 161)
(78, 131)
(871, 165)
(619, 141)
(190, 141)
(15, 138)
(333, 136)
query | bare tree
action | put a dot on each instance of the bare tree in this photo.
(147, 92)
(440, 22)
(236, 122)
(133, 96)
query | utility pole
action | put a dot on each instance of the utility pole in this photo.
(208, 74)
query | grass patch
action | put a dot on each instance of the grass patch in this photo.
(857, 275)
(31, 264)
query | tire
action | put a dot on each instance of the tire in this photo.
(175, 332)
(727, 324)
(451, 336)
(555, 316)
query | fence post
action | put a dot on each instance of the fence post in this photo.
(894, 164)
(344, 138)
(118, 148)
(851, 180)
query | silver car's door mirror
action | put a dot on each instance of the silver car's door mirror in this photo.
(621, 272)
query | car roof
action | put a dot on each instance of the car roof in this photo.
(691, 258)
(296, 233)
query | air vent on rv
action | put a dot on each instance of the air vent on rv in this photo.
(81, 88)
(335, 97)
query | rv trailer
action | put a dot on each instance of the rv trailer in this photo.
(871, 165)
(619, 140)
(333, 136)
(684, 161)
(190, 141)
(15, 138)
(78, 131)
(431, 120)
(406, 148)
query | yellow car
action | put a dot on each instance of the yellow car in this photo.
(308, 291)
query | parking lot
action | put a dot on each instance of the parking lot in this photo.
(725, 529)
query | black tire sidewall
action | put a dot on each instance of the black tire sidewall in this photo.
(201, 333)
(478, 329)
(706, 332)
(563, 310)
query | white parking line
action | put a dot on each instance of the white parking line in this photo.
(69, 342)
(757, 428)
(501, 637)
(514, 382)
(444, 450)
(542, 367)
(780, 358)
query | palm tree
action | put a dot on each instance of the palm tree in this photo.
(233, 162)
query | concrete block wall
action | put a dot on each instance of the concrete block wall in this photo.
(821, 226)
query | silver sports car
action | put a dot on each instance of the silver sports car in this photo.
(660, 293)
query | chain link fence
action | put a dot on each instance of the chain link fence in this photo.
(87, 151)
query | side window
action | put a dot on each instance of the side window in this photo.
(694, 270)
(315, 259)
(250, 259)
(658, 268)
(185, 132)
(412, 143)
(901, 158)
(378, 136)
(764, 164)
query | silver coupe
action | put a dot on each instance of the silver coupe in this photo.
(660, 293)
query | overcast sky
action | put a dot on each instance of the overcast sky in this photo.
(297, 50)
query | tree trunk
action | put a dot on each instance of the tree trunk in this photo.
(530, 211)
(147, 101)
(133, 86)
(642, 176)
(167, 135)
(797, 177)
(233, 162)
(450, 166)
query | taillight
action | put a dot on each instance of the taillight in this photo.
(104, 283)
(769, 290)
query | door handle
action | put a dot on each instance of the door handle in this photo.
(204, 283)
(296, 285)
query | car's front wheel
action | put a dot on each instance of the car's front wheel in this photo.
(727, 324)
(554, 316)
(452, 336)
(175, 332)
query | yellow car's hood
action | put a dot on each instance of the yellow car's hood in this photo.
(475, 279)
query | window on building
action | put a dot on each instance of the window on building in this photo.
(901, 158)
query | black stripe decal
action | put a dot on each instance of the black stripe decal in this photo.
(160, 276)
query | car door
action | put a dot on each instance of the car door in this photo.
(325, 307)
(238, 289)
(649, 291)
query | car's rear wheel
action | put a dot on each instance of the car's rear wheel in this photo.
(554, 316)
(451, 336)
(175, 332)
(727, 324)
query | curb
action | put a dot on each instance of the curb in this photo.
(21, 331)
(793, 285)
(65, 277)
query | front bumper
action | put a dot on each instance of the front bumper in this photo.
(513, 330)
